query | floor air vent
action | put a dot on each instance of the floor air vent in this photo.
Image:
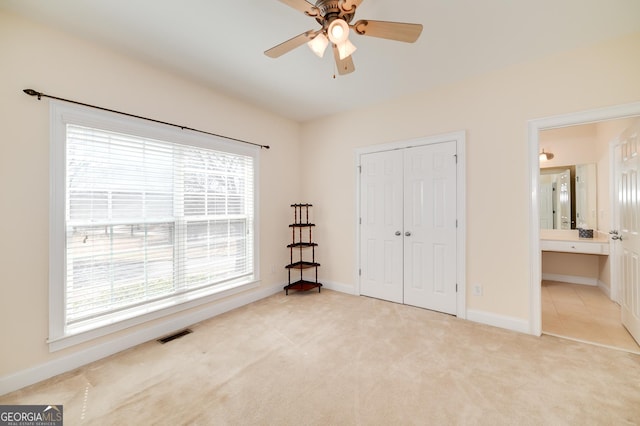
(175, 336)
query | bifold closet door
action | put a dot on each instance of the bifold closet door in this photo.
(408, 229)
(430, 227)
(381, 242)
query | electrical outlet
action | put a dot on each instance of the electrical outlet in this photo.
(477, 289)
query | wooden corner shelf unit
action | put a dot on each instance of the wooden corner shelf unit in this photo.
(300, 245)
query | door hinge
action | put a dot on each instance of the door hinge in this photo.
(456, 223)
(456, 287)
(456, 156)
(360, 169)
(359, 272)
(360, 221)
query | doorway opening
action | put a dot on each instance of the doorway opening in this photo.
(573, 288)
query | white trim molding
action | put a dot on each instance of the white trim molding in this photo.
(342, 288)
(605, 289)
(572, 279)
(502, 321)
(67, 363)
(534, 128)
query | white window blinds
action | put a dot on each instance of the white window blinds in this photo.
(149, 223)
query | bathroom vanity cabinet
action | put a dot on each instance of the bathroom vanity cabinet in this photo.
(568, 258)
(569, 242)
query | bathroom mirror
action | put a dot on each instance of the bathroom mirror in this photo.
(568, 197)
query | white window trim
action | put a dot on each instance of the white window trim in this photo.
(62, 113)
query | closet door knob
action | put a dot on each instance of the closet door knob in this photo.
(407, 234)
(398, 233)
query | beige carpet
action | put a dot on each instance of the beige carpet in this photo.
(335, 359)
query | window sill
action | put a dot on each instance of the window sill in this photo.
(169, 307)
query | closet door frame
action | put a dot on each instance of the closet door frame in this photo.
(460, 139)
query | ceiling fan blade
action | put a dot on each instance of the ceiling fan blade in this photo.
(345, 66)
(350, 5)
(290, 44)
(303, 6)
(399, 31)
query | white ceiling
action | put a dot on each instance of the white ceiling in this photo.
(221, 43)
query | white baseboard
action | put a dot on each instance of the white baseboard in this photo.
(572, 279)
(501, 321)
(61, 365)
(342, 288)
(605, 289)
(488, 318)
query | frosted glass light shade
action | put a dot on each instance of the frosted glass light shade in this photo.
(346, 49)
(338, 31)
(319, 44)
(546, 156)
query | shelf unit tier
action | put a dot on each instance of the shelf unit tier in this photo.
(303, 285)
(301, 243)
(302, 265)
(297, 245)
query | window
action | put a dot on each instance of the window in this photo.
(146, 221)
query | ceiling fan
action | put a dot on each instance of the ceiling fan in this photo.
(335, 16)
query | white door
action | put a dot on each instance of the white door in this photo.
(430, 227)
(408, 229)
(563, 193)
(381, 247)
(546, 202)
(628, 189)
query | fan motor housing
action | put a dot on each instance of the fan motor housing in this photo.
(330, 10)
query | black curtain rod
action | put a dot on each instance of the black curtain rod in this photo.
(40, 95)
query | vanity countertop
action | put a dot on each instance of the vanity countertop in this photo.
(567, 241)
(572, 235)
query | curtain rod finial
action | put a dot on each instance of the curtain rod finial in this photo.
(32, 92)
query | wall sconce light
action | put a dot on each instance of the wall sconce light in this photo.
(545, 156)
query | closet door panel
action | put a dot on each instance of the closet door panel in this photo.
(381, 248)
(430, 227)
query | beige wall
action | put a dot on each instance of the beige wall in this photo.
(570, 145)
(51, 62)
(571, 264)
(493, 110)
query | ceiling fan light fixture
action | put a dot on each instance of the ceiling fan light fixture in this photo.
(345, 49)
(334, 17)
(338, 31)
(319, 44)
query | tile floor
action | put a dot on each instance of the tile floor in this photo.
(584, 313)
